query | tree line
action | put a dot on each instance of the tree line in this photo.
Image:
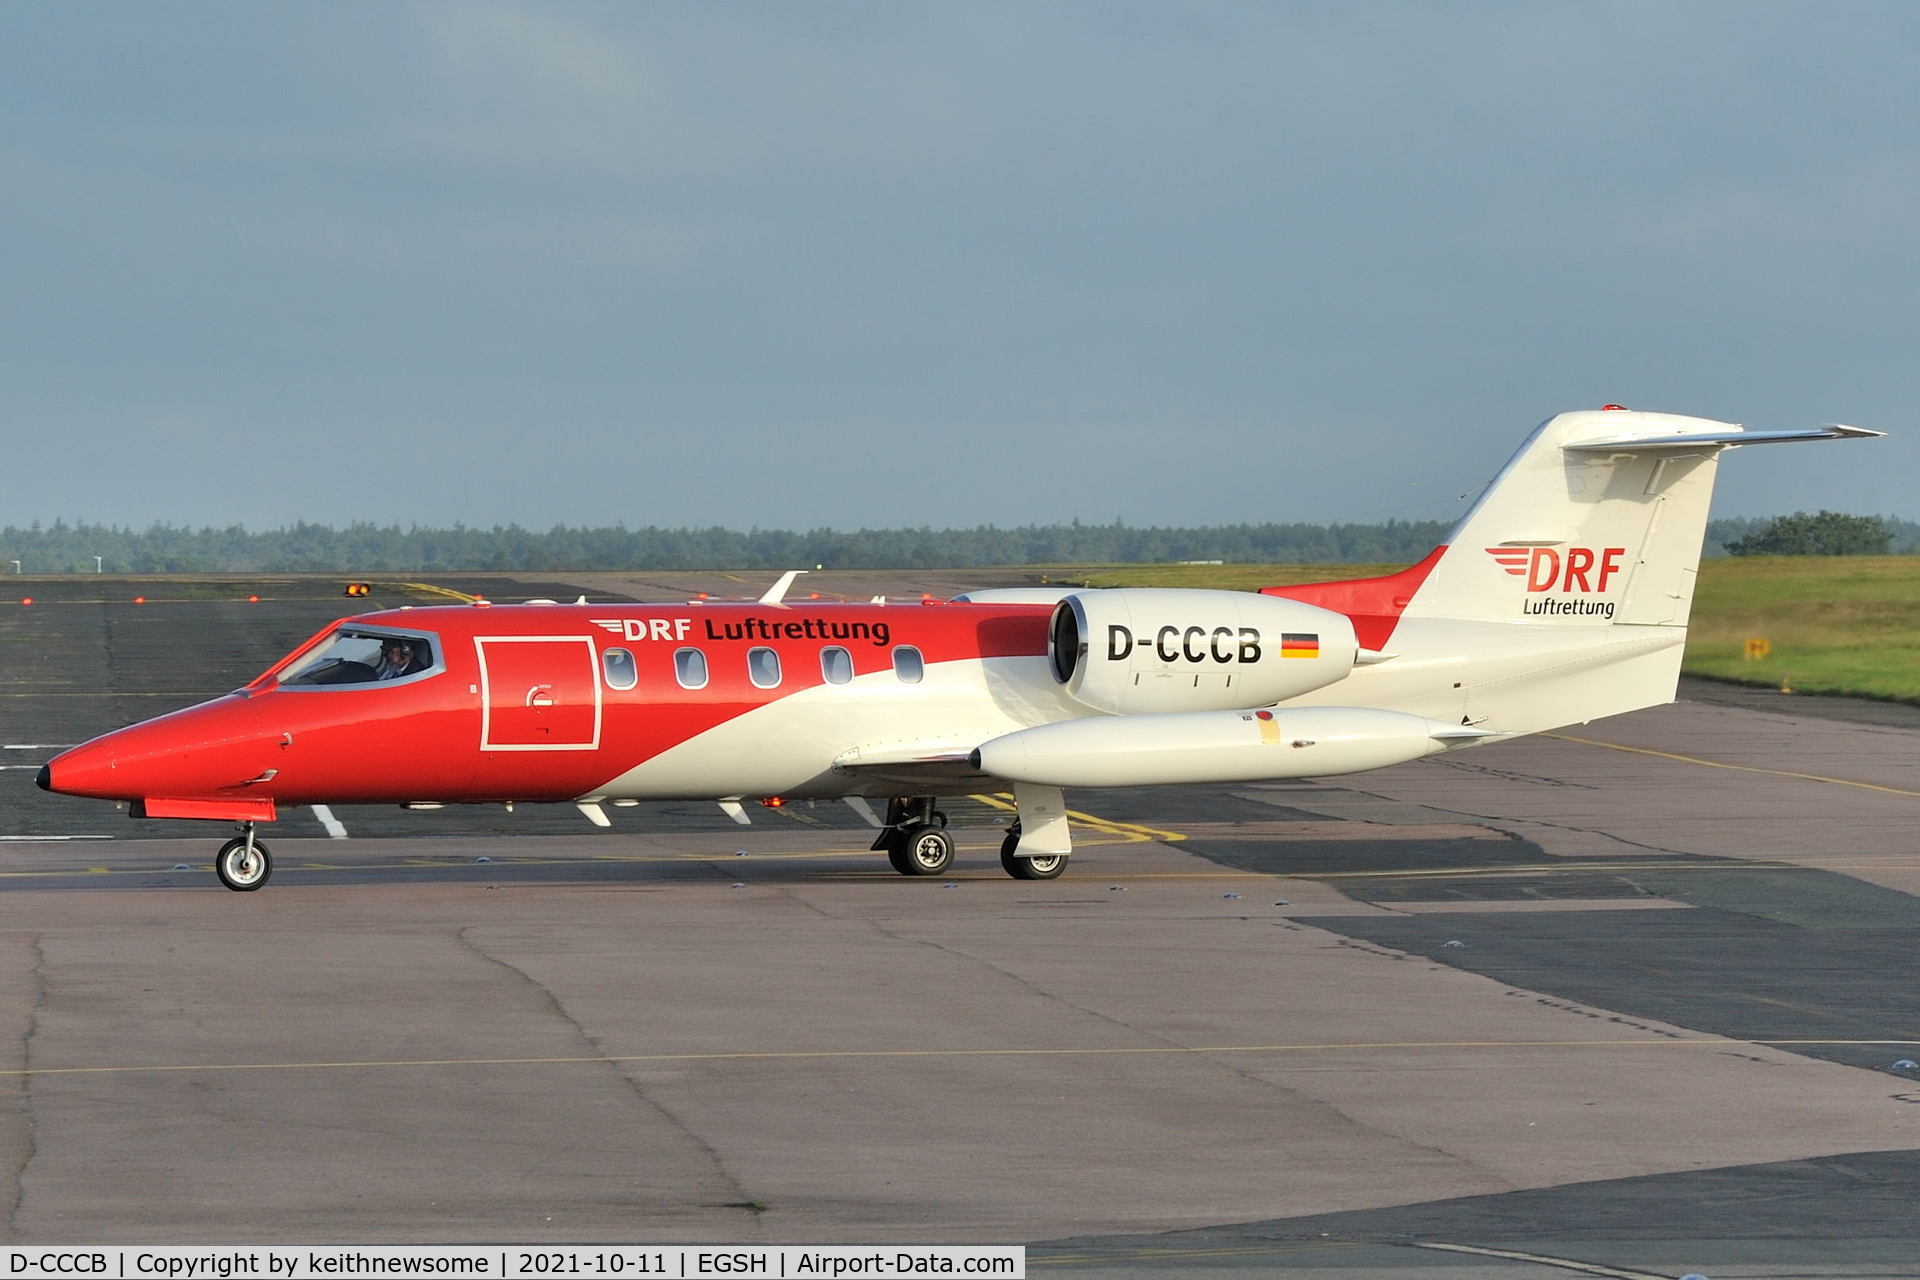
(372, 548)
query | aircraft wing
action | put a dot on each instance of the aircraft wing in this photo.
(913, 764)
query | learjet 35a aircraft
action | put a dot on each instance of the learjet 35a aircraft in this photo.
(1561, 597)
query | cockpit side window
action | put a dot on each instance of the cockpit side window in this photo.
(355, 656)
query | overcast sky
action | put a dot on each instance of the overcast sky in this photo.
(836, 264)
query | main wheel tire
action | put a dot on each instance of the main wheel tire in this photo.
(921, 851)
(242, 869)
(1047, 867)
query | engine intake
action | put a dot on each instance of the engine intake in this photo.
(1143, 650)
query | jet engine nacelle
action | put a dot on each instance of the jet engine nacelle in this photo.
(1214, 746)
(1143, 651)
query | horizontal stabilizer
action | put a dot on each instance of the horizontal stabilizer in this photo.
(1734, 438)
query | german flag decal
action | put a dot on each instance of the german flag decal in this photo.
(1299, 644)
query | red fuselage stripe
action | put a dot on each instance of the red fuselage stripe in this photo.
(1374, 604)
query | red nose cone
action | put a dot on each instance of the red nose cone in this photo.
(86, 770)
(212, 750)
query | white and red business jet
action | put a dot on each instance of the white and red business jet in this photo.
(1561, 597)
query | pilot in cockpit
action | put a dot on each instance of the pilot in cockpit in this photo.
(397, 658)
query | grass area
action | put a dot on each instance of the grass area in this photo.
(1839, 624)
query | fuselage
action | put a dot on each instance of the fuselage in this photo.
(563, 702)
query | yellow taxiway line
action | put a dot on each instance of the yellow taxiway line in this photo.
(428, 588)
(1739, 768)
(1130, 832)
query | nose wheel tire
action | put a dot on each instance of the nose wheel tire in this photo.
(921, 851)
(241, 868)
(1046, 867)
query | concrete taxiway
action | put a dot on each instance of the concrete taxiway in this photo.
(1630, 1000)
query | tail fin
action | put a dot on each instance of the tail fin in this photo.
(1598, 518)
(1580, 556)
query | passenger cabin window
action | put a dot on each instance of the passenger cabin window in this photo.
(908, 665)
(620, 669)
(690, 668)
(763, 668)
(836, 665)
(354, 656)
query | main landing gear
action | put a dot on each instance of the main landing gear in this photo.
(1047, 866)
(915, 837)
(918, 844)
(243, 863)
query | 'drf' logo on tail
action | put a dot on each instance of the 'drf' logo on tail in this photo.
(1576, 570)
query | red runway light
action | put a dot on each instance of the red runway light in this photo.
(253, 599)
(26, 600)
(139, 599)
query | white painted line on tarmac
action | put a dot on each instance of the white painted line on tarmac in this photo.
(45, 839)
(34, 746)
(335, 831)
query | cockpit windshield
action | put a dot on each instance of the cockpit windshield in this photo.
(352, 655)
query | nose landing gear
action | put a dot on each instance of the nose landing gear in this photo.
(243, 863)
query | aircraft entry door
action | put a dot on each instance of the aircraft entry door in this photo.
(538, 693)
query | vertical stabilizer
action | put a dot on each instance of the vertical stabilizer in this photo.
(1572, 533)
(1564, 594)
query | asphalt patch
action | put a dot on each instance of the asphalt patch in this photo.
(1847, 1210)
(1410, 868)
(1836, 985)
(1770, 952)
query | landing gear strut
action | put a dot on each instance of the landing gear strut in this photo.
(915, 837)
(243, 863)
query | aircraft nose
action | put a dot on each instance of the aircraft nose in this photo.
(87, 769)
(203, 750)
